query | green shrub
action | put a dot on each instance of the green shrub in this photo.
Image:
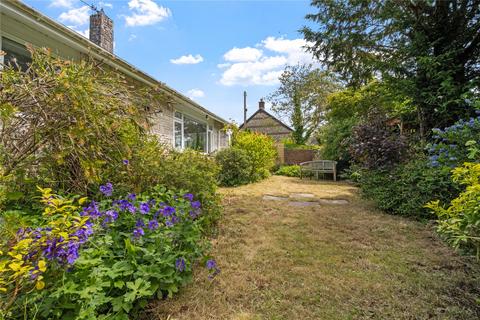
(289, 171)
(235, 167)
(334, 137)
(261, 152)
(405, 189)
(459, 223)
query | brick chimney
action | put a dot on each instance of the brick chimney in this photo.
(101, 30)
(261, 104)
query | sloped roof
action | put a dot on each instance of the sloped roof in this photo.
(268, 114)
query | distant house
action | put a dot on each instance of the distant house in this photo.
(182, 123)
(263, 122)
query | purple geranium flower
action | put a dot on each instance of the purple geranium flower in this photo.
(180, 264)
(144, 208)
(188, 196)
(126, 162)
(107, 189)
(132, 196)
(138, 232)
(153, 224)
(196, 204)
(168, 211)
(211, 264)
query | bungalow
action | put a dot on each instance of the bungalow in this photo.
(182, 123)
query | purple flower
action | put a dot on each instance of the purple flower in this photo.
(168, 223)
(196, 204)
(144, 208)
(126, 162)
(72, 252)
(140, 223)
(188, 196)
(211, 264)
(153, 224)
(180, 264)
(111, 216)
(138, 232)
(132, 196)
(168, 211)
(92, 210)
(107, 189)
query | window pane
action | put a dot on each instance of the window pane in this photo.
(16, 52)
(195, 134)
(178, 115)
(178, 135)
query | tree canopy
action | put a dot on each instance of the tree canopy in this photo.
(429, 50)
(302, 98)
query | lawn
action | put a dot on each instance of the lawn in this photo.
(284, 260)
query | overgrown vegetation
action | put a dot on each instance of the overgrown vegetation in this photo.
(93, 251)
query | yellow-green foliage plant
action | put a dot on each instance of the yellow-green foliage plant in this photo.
(459, 223)
(260, 150)
(23, 260)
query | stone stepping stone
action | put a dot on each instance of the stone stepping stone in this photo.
(273, 198)
(302, 195)
(332, 201)
(302, 203)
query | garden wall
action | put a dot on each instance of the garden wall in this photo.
(296, 156)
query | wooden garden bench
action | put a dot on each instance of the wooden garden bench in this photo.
(319, 166)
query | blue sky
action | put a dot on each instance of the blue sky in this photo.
(209, 50)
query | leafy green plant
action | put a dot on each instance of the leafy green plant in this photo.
(459, 223)
(235, 165)
(260, 150)
(289, 171)
(405, 189)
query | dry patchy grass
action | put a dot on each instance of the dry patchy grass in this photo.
(324, 262)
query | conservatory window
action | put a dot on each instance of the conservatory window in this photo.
(189, 133)
(195, 134)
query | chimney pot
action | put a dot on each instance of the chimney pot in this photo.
(101, 30)
(261, 104)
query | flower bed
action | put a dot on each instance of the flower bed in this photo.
(95, 259)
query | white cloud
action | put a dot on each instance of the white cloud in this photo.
(263, 66)
(85, 33)
(76, 17)
(242, 54)
(188, 59)
(132, 37)
(62, 3)
(196, 93)
(105, 5)
(223, 65)
(145, 12)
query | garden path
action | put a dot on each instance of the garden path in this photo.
(325, 261)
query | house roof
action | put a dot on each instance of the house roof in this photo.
(43, 23)
(270, 115)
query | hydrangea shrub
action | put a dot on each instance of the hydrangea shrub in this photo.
(451, 145)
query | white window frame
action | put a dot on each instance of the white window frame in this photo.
(181, 121)
(178, 120)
